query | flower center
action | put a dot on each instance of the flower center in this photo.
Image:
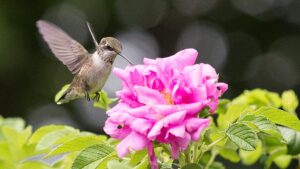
(167, 97)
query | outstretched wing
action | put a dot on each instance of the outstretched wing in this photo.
(66, 49)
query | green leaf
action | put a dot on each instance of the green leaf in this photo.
(41, 132)
(166, 165)
(114, 164)
(204, 113)
(137, 157)
(243, 136)
(289, 101)
(216, 165)
(16, 138)
(262, 123)
(46, 136)
(144, 163)
(230, 145)
(104, 101)
(15, 123)
(283, 161)
(66, 161)
(250, 157)
(72, 136)
(293, 140)
(274, 99)
(61, 92)
(258, 98)
(233, 112)
(215, 135)
(277, 152)
(89, 155)
(13, 146)
(192, 166)
(6, 153)
(222, 106)
(76, 144)
(279, 117)
(33, 165)
(270, 142)
(229, 154)
(103, 163)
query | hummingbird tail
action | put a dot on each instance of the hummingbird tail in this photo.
(68, 95)
(63, 99)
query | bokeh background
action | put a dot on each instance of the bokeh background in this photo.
(251, 43)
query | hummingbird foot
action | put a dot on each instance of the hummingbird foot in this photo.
(97, 96)
(87, 96)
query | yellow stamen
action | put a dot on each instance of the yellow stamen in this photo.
(167, 97)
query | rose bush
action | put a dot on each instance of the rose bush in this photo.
(161, 115)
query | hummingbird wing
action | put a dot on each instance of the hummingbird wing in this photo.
(67, 50)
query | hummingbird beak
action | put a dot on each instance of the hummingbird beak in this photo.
(126, 59)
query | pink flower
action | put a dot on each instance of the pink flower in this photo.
(160, 101)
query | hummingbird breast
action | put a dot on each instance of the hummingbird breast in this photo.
(95, 73)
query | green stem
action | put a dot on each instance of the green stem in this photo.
(212, 159)
(192, 152)
(182, 159)
(166, 148)
(199, 153)
(213, 144)
(195, 154)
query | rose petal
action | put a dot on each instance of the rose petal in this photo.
(172, 119)
(179, 144)
(149, 96)
(192, 108)
(222, 87)
(184, 142)
(180, 59)
(116, 130)
(133, 141)
(178, 131)
(145, 112)
(208, 71)
(174, 150)
(195, 126)
(141, 125)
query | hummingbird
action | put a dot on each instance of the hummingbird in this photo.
(91, 70)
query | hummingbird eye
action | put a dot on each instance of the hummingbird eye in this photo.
(109, 48)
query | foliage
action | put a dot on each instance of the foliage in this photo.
(257, 126)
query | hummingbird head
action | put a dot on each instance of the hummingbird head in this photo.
(110, 45)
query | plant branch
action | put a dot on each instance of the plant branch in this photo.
(211, 160)
(207, 148)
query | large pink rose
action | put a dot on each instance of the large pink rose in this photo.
(160, 101)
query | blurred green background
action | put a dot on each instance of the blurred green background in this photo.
(251, 43)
